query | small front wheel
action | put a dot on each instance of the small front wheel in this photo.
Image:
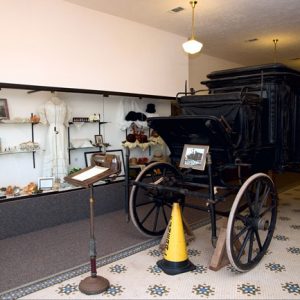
(251, 222)
(150, 208)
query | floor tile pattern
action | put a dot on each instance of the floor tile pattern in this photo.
(133, 274)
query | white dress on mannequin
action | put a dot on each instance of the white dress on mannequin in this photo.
(56, 114)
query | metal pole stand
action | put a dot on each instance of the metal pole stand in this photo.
(93, 284)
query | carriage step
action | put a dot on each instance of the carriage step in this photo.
(219, 258)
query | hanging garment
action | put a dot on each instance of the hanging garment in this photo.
(56, 114)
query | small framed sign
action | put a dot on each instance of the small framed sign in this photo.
(4, 114)
(45, 183)
(194, 156)
(98, 140)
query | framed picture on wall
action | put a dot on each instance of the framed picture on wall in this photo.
(4, 114)
(98, 140)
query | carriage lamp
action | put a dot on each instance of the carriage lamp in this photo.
(192, 46)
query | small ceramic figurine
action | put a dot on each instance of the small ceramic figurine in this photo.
(94, 118)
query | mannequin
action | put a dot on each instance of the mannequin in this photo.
(56, 114)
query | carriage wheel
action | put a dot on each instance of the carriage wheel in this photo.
(150, 209)
(251, 222)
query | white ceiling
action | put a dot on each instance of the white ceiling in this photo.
(223, 26)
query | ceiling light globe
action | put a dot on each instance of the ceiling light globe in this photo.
(192, 46)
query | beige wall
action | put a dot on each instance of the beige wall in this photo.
(200, 65)
(57, 43)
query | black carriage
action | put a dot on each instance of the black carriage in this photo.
(247, 125)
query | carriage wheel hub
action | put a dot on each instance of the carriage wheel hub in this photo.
(263, 224)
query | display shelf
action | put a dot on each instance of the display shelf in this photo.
(70, 148)
(88, 122)
(22, 122)
(66, 188)
(17, 152)
(152, 141)
(134, 169)
(9, 122)
(6, 198)
(78, 148)
(137, 166)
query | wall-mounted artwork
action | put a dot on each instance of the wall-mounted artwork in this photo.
(4, 114)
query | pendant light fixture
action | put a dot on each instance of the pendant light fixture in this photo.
(192, 46)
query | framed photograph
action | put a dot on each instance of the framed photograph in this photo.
(194, 156)
(45, 183)
(119, 152)
(98, 139)
(4, 114)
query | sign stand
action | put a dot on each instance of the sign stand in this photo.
(93, 284)
(106, 166)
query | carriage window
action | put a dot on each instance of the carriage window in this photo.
(194, 156)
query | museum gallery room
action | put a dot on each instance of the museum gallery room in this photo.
(149, 149)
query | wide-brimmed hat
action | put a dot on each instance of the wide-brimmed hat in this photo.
(158, 156)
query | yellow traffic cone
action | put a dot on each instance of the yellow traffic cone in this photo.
(175, 259)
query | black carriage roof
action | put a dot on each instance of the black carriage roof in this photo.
(253, 70)
(199, 130)
(226, 98)
(251, 77)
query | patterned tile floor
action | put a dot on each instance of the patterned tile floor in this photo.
(133, 274)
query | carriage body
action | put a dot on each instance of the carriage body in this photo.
(250, 122)
(230, 124)
(278, 88)
(251, 115)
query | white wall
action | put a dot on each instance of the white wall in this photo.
(56, 43)
(201, 65)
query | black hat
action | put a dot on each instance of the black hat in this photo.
(134, 116)
(131, 116)
(150, 108)
(141, 117)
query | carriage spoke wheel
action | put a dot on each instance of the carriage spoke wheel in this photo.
(150, 208)
(251, 222)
